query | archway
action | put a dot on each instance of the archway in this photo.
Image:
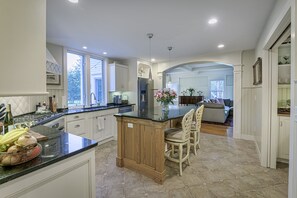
(202, 67)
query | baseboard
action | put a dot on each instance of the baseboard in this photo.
(247, 137)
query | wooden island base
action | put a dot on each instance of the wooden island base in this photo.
(141, 146)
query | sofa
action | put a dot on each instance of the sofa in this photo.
(216, 110)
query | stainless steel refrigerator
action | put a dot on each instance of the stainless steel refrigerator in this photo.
(145, 94)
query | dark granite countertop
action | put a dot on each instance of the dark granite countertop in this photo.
(59, 146)
(157, 114)
(94, 108)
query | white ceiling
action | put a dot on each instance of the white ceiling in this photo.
(119, 27)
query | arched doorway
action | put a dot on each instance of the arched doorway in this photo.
(204, 73)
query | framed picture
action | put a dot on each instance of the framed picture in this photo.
(53, 79)
(257, 72)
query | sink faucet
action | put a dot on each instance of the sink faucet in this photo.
(92, 93)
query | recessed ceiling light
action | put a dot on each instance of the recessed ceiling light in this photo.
(153, 60)
(73, 1)
(221, 46)
(212, 21)
(85, 47)
(104, 53)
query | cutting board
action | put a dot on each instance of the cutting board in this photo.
(38, 136)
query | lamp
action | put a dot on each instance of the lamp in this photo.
(169, 76)
(150, 36)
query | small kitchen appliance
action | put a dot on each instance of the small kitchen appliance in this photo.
(117, 99)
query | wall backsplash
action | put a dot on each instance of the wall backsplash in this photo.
(27, 104)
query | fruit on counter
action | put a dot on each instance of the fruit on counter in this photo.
(10, 159)
(9, 138)
(26, 140)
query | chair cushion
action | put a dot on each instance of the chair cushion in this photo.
(174, 134)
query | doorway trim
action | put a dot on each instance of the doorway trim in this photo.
(274, 119)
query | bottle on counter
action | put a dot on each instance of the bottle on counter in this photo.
(51, 103)
(54, 104)
(8, 120)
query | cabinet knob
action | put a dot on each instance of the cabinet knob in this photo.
(76, 117)
(77, 126)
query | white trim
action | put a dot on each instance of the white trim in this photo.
(237, 101)
(273, 91)
(248, 137)
(293, 124)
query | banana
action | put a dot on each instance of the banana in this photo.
(12, 136)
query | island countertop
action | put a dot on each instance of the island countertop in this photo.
(157, 114)
(58, 146)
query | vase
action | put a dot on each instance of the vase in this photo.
(165, 107)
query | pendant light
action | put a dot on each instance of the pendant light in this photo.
(169, 76)
(150, 36)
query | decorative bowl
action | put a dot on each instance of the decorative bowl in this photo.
(22, 155)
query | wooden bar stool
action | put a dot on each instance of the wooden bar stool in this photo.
(179, 138)
(195, 129)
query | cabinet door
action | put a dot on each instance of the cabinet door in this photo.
(284, 138)
(23, 48)
(122, 77)
(98, 128)
(109, 129)
(118, 77)
(77, 127)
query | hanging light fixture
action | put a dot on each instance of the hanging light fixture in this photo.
(169, 76)
(150, 36)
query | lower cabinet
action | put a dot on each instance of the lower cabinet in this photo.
(96, 125)
(77, 125)
(72, 177)
(103, 124)
(284, 138)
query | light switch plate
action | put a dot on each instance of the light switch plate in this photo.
(130, 125)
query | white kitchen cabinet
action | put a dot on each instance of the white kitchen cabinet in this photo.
(23, 47)
(104, 125)
(284, 138)
(72, 177)
(77, 125)
(119, 76)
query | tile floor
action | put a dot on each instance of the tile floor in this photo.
(224, 167)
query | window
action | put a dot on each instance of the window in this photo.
(81, 86)
(96, 80)
(75, 76)
(216, 88)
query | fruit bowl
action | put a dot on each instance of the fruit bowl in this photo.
(20, 154)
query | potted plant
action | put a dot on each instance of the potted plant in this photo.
(191, 91)
(199, 93)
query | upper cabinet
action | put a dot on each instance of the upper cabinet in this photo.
(119, 76)
(23, 47)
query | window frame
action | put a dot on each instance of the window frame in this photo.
(86, 78)
(223, 91)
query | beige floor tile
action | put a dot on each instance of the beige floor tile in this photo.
(223, 167)
(179, 193)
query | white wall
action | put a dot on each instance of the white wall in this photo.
(202, 81)
(269, 33)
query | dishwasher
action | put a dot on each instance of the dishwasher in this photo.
(126, 109)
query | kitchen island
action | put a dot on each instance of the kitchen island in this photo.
(65, 168)
(141, 142)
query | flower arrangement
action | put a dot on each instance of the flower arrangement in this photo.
(165, 96)
(191, 90)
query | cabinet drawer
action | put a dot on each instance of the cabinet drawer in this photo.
(75, 117)
(76, 127)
